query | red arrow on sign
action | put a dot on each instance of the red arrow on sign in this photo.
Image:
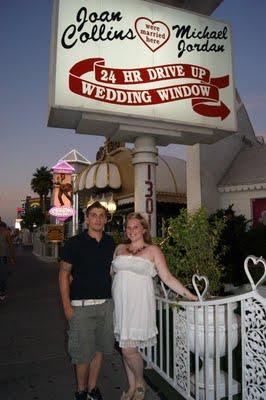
(221, 110)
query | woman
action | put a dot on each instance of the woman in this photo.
(134, 266)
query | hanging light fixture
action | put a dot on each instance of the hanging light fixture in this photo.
(91, 201)
(104, 202)
(111, 206)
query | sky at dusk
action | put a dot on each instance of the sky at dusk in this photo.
(26, 142)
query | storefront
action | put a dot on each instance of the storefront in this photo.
(110, 179)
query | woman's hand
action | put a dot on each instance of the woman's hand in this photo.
(192, 297)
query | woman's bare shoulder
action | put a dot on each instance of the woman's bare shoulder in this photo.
(120, 248)
(155, 253)
(155, 249)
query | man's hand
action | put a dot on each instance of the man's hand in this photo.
(69, 312)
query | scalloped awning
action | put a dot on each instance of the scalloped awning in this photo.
(103, 175)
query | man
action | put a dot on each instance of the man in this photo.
(7, 253)
(85, 286)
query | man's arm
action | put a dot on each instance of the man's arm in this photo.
(64, 281)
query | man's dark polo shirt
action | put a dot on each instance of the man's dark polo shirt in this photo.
(91, 262)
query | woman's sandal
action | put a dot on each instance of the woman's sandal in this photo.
(140, 393)
(125, 396)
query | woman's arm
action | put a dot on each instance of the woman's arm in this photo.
(116, 253)
(166, 276)
(118, 250)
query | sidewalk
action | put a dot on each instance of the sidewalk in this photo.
(33, 360)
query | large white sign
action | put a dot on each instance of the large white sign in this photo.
(123, 59)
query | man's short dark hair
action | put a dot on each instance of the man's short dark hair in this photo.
(3, 224)
(96, 204)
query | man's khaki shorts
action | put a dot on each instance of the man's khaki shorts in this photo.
(90, 331)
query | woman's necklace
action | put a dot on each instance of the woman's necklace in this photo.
(135, 251)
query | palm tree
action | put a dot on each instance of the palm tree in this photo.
(42, 184)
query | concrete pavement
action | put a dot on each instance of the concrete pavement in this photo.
(33, 361)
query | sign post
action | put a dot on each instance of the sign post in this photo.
(55, 233)
(62, 191)
(145, 161)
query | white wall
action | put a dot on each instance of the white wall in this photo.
(207, 164)
(193, 177)
(241, 201)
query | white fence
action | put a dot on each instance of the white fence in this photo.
(209, 350)
(41, 248)
(47, 251)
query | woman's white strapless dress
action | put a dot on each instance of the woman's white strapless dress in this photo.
(134, 300)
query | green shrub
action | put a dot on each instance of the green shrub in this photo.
(117, 236)
(239, 243)
(191, 247)
(253, 242)
(232, 237)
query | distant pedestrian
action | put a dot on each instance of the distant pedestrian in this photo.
(7, 254)
(16, 237)
(85, 286)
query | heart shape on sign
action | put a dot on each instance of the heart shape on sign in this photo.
(256, 261)
(154, 34)
(195, 285)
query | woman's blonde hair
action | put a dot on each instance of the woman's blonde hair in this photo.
(144, 223)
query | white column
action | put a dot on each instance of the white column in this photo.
(75, 206)
(194, 184)
(56, 245)
(73, 216)
(77, 213)
(145, 161)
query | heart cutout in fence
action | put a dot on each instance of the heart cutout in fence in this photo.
(154, 34)
(200, 278)
(256, 261)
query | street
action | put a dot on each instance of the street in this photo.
(33, 359)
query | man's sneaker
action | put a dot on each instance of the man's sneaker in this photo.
(81, 395)
(95, 394)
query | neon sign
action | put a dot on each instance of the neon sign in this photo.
(62, 213)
